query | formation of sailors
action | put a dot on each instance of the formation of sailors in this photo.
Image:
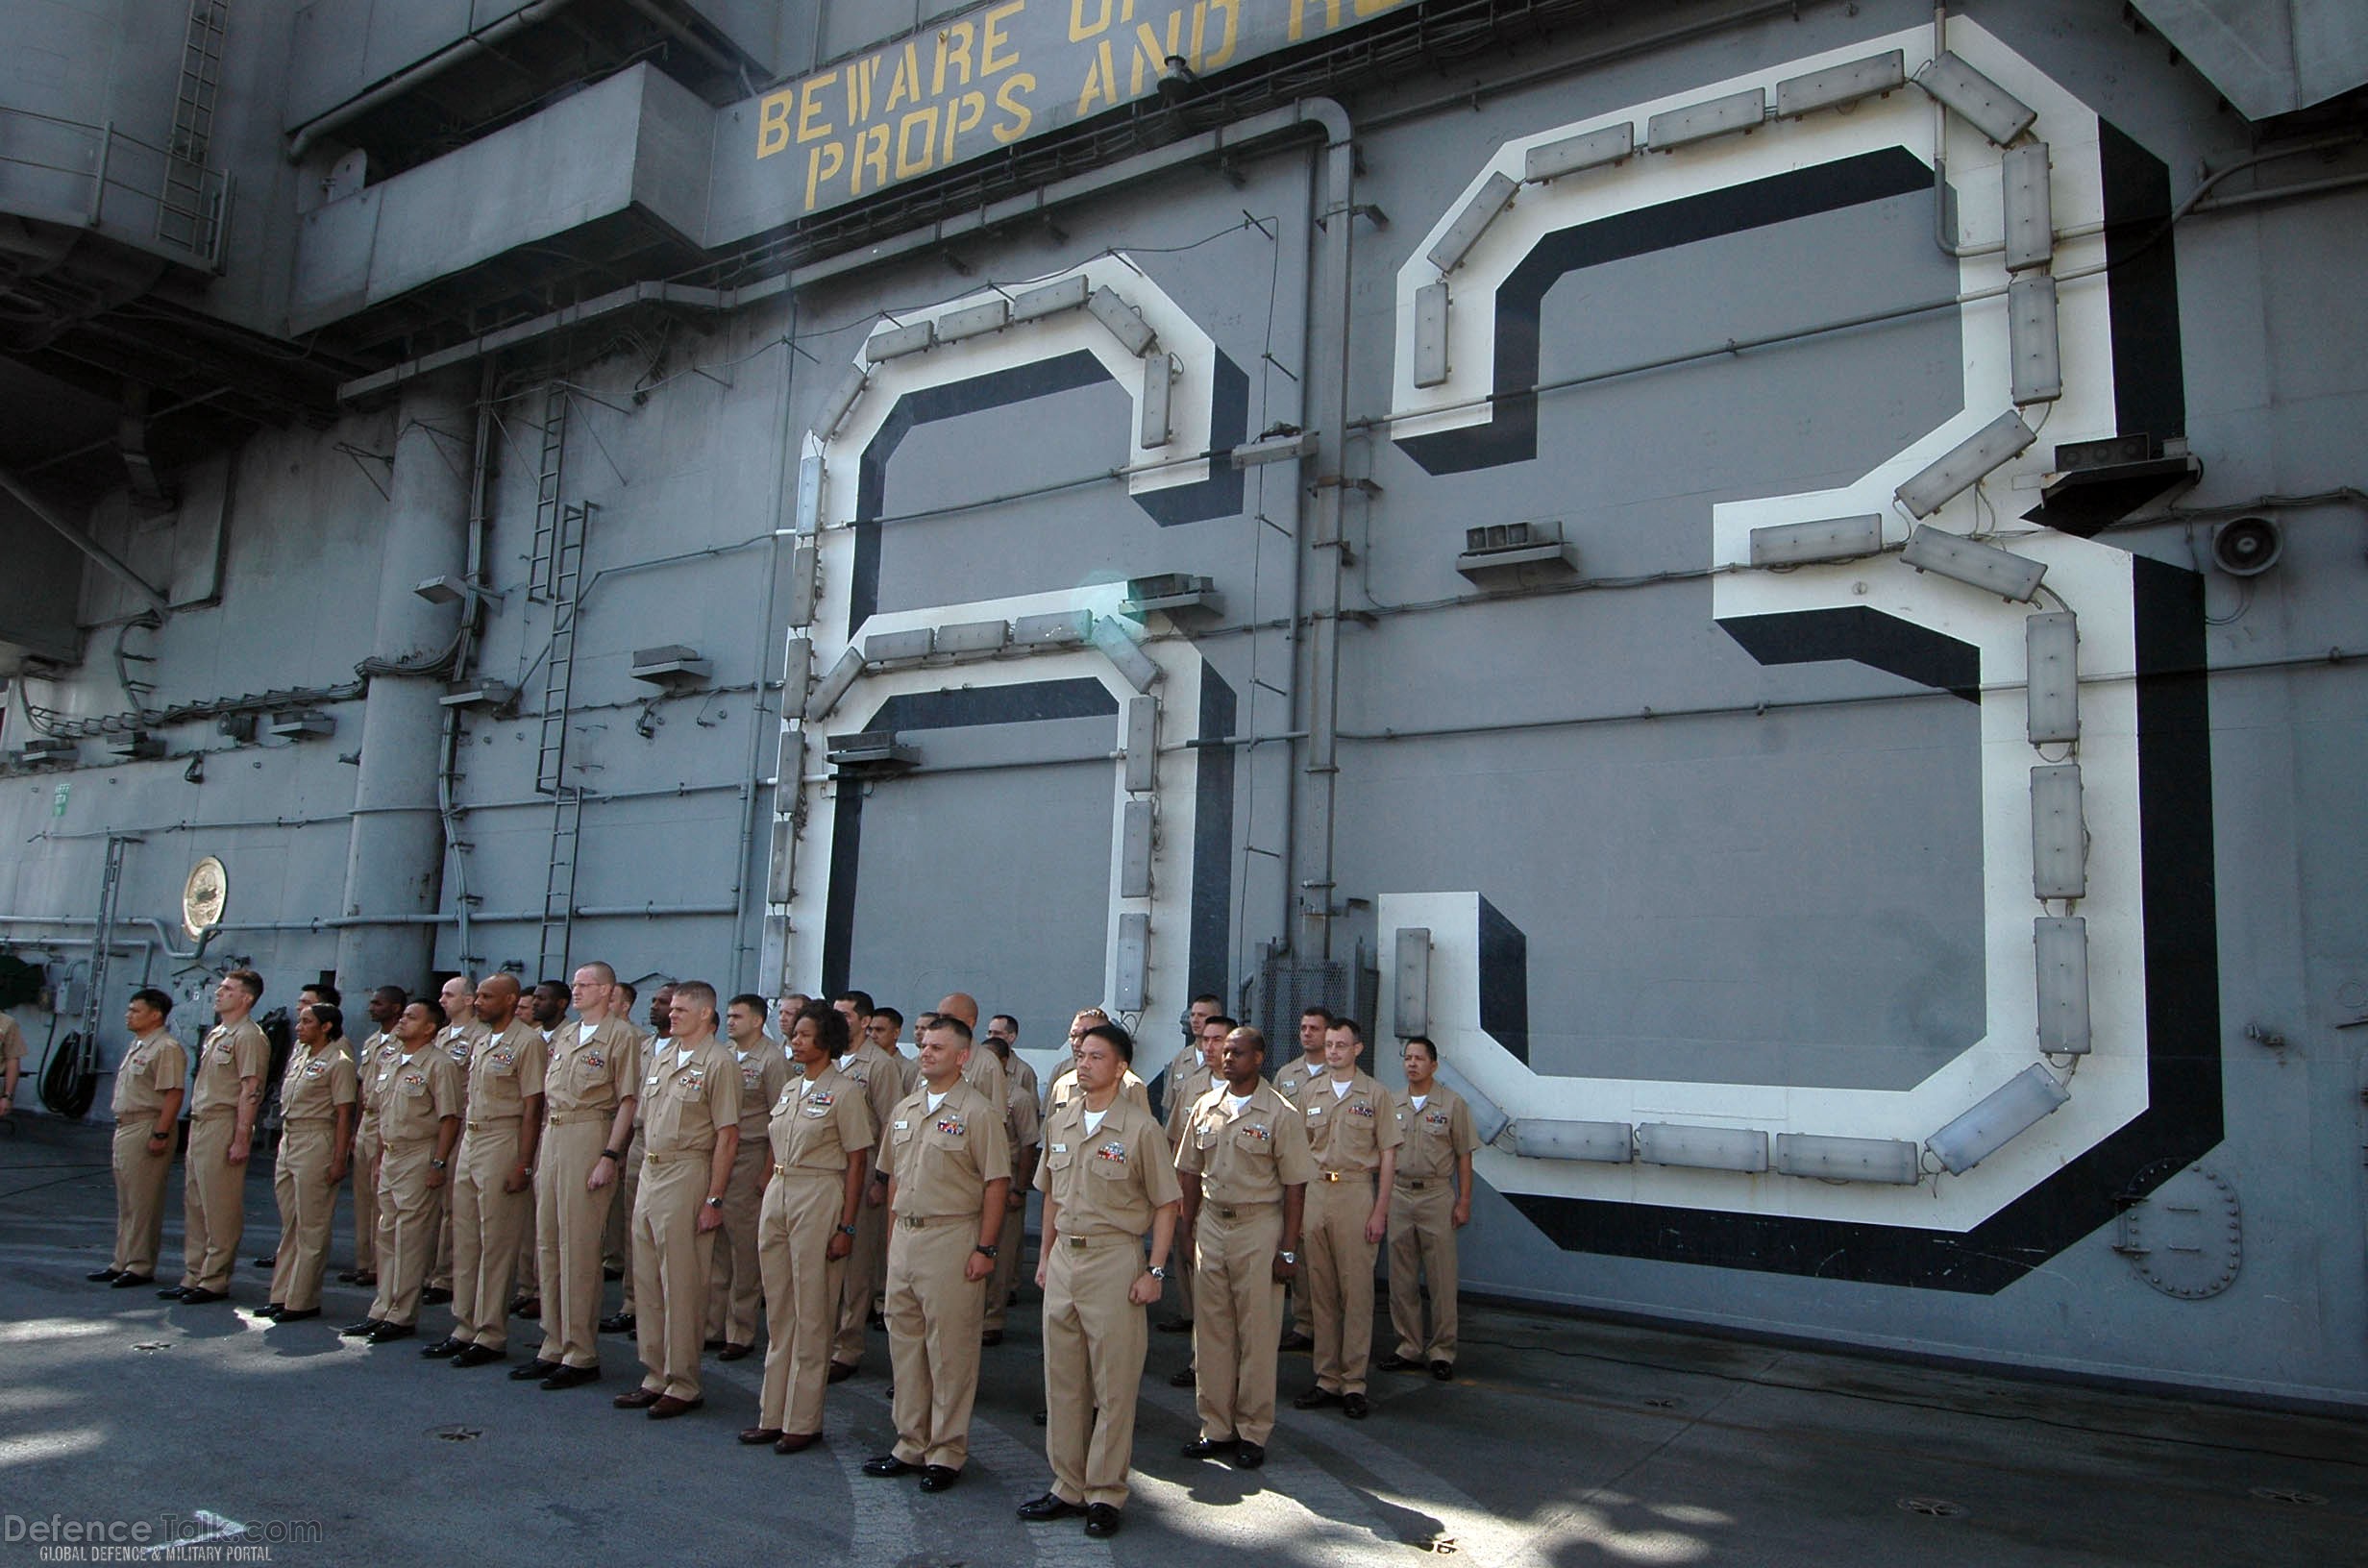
(511, 1159)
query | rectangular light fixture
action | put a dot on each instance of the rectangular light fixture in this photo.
(1889, 1159)
(900, 646)
(833, 686)
(1977, 100)
(1178, 593)
(1591, 150)
(1827, 539)
(2051, 676)
(833, 412)
(2061, 945)
(899, 341)
(1124, 321)
(1275, 448)
(972, 639)
(2002, 1115)
(1410, 1002)
(872, 754)
(476, 692)
(1158, 385)
(1699, 122)
(1609, 1142)
(1134, 962)
(1062, 628)
(2001, 571)
(1496, 192)
(668, 664)
(1980, 454)
(810, 513)
(1431, 333)
(2029, 218)
(1067, 294)
(1112, 636)
(2059, 835)
(302, 724)
(1844, 83)
(1139, 739)
(805, 563)
(1705, 1148)
(782, 865)
(972, 321)
(2030, 340)
(1135, 849)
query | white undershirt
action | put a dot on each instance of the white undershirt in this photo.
(1340, 1091)
(1236, 1104)
(1421, 1100)
(1093, 1122)
(936, 1100)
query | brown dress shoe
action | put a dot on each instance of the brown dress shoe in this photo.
(735, 1353)
(669, 1405)
(635, 1399)
(752, 1435)
(796, 1442)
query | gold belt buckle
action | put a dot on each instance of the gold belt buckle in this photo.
(1077, 1241)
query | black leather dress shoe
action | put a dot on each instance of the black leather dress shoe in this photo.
(1209, 1448)
(264, 1263)
(1316, 1399)
(617, 1323)
(571, 1377)
(362, 1330)
(840, 1372)
(1354, 1407)
(477, 1355)
(126, 1282)
(269, 1310)
(435, 1295)
(295, 1314)
(938, 1478)
(735, 1353)
(448, 1346)
(104, 1276)
(1248, 1456)
(349, 1276)
(1444, 1371)
(711, 1344)
(534, 1371)
(886, 1464)
(1185, 1379)
(386, 1333)
(531, 1306)
(1101, 1520)
(1402, 1363)
(1037, 1510)
(1174, 1325)
(197, 1295)
(990, 1338)
(1299, 1341)
(172, 1292)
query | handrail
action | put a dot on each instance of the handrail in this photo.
(107, 160)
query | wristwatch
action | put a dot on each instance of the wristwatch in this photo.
(984, 1250)
(715, 1203)
(1288, 1257)
(846, 1230)
(1156, 1271)
(440, 1165)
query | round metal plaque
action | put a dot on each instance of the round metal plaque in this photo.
(203, 895)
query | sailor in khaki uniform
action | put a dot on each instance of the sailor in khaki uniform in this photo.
(818, 1144)
(371, 1062)
(691, 1089)
(1185, 1087)
(657, 1036)
(590, 1094)
(1353, 1136)
(419, 1124)
(548, 1010)
(460, 1041)
(12, 1062)
(151, 1080)
(1023, 1125)
(1290, 1078)
(950, 1169)
(493, 1185)
(879, 1072)
(1192, 1057)
(733, 1286)
(316, 1134)
(1429, 1202)
(1244, 1170)
(622, 1000)
(227, 1092)
(1107, 1177)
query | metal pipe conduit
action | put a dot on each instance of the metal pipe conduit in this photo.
(467, 46)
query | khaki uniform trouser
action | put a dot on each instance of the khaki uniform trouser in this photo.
(1009, 1246)
(410, 1213)
(628, 1198)
(1422, 1241)
(797, 1215)
(671, 1260)
(308, 1203)
(1237, 1303)
(213, 1203)
(569, 1223)
(933, 1316)
(1339, 1279)
(867, 1266)
(1093, 1345)
(486, 1225)
(440, 1275)
(367, 1146)
(527, 1277)
(139, 1196)
(735, 1284)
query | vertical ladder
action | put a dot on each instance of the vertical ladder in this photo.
(102, 947)
(547, 505)
(182, 218)
(550, 764)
